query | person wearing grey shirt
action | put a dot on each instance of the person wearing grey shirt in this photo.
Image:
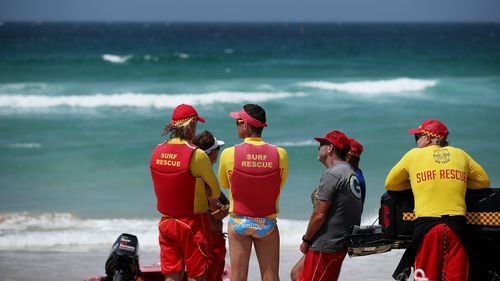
(338, 208)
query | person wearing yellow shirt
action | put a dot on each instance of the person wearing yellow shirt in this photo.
(208, 143)
(438, 175)
(255, 172)
(180, 173)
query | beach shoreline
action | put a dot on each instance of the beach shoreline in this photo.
(67, 265)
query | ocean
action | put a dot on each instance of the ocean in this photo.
(82, 105)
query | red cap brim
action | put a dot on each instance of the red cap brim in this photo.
(414, 131)
(321, 139)
(201, 119)
(235, 115)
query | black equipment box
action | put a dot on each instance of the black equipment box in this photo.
(396, 218)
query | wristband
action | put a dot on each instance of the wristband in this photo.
(305, 240)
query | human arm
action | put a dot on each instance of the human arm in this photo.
(283, 162)
(225, 165)
(221, 212)
(223, 207)
(223, 199)
(477, 177)
(318, 218)
(398, 178)
(202, 167)
(326, 191)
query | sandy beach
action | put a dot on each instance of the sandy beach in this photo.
(83, 104)
(54, 265)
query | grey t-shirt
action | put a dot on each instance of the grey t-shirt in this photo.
(340, 186)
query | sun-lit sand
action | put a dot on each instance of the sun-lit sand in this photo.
(49, 265)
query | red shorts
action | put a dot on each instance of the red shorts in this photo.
(442, 260)
(321, 266)
(184, 244)
(217, 256)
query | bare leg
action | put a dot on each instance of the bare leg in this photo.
(268, 253)
(297, 268)
(240, 248)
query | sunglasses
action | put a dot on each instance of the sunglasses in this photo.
(323, 143)
(239, 121)
(418, 136)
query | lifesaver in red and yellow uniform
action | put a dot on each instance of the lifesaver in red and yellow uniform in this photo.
(256, 180)
(173, 182)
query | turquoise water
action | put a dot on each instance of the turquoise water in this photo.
(83, 105)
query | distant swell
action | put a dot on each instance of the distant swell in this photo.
(29, 145)
(375, 87)
(298, 143)
(136, 99)
(115, 58)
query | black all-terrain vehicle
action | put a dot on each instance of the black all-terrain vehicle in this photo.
(395, 231)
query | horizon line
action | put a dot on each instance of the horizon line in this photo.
(244, 22)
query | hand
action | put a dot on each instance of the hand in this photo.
(304, 247)
(222, 212)
(214, 204)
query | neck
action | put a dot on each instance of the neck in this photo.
(253, 135)
(330, 161)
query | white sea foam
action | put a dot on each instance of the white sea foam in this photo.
(298, 143)
(375, 87)
(182, 55)
(64, 231)
(137, 99)
(115, 58)
(29, 145)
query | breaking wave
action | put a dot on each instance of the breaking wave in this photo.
(64, 231)
(374, 87)
(115, 58)
(68, 232)
(298, 143)
(137, 99)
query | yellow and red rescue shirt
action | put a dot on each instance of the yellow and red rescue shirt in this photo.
(180, 172)
(255, 172)
(438, 177)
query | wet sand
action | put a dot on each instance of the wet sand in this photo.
(57, 265)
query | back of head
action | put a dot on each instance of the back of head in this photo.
(354, 154)
(256, 112)
(183, 125)
(356, 148)
(204, 140)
